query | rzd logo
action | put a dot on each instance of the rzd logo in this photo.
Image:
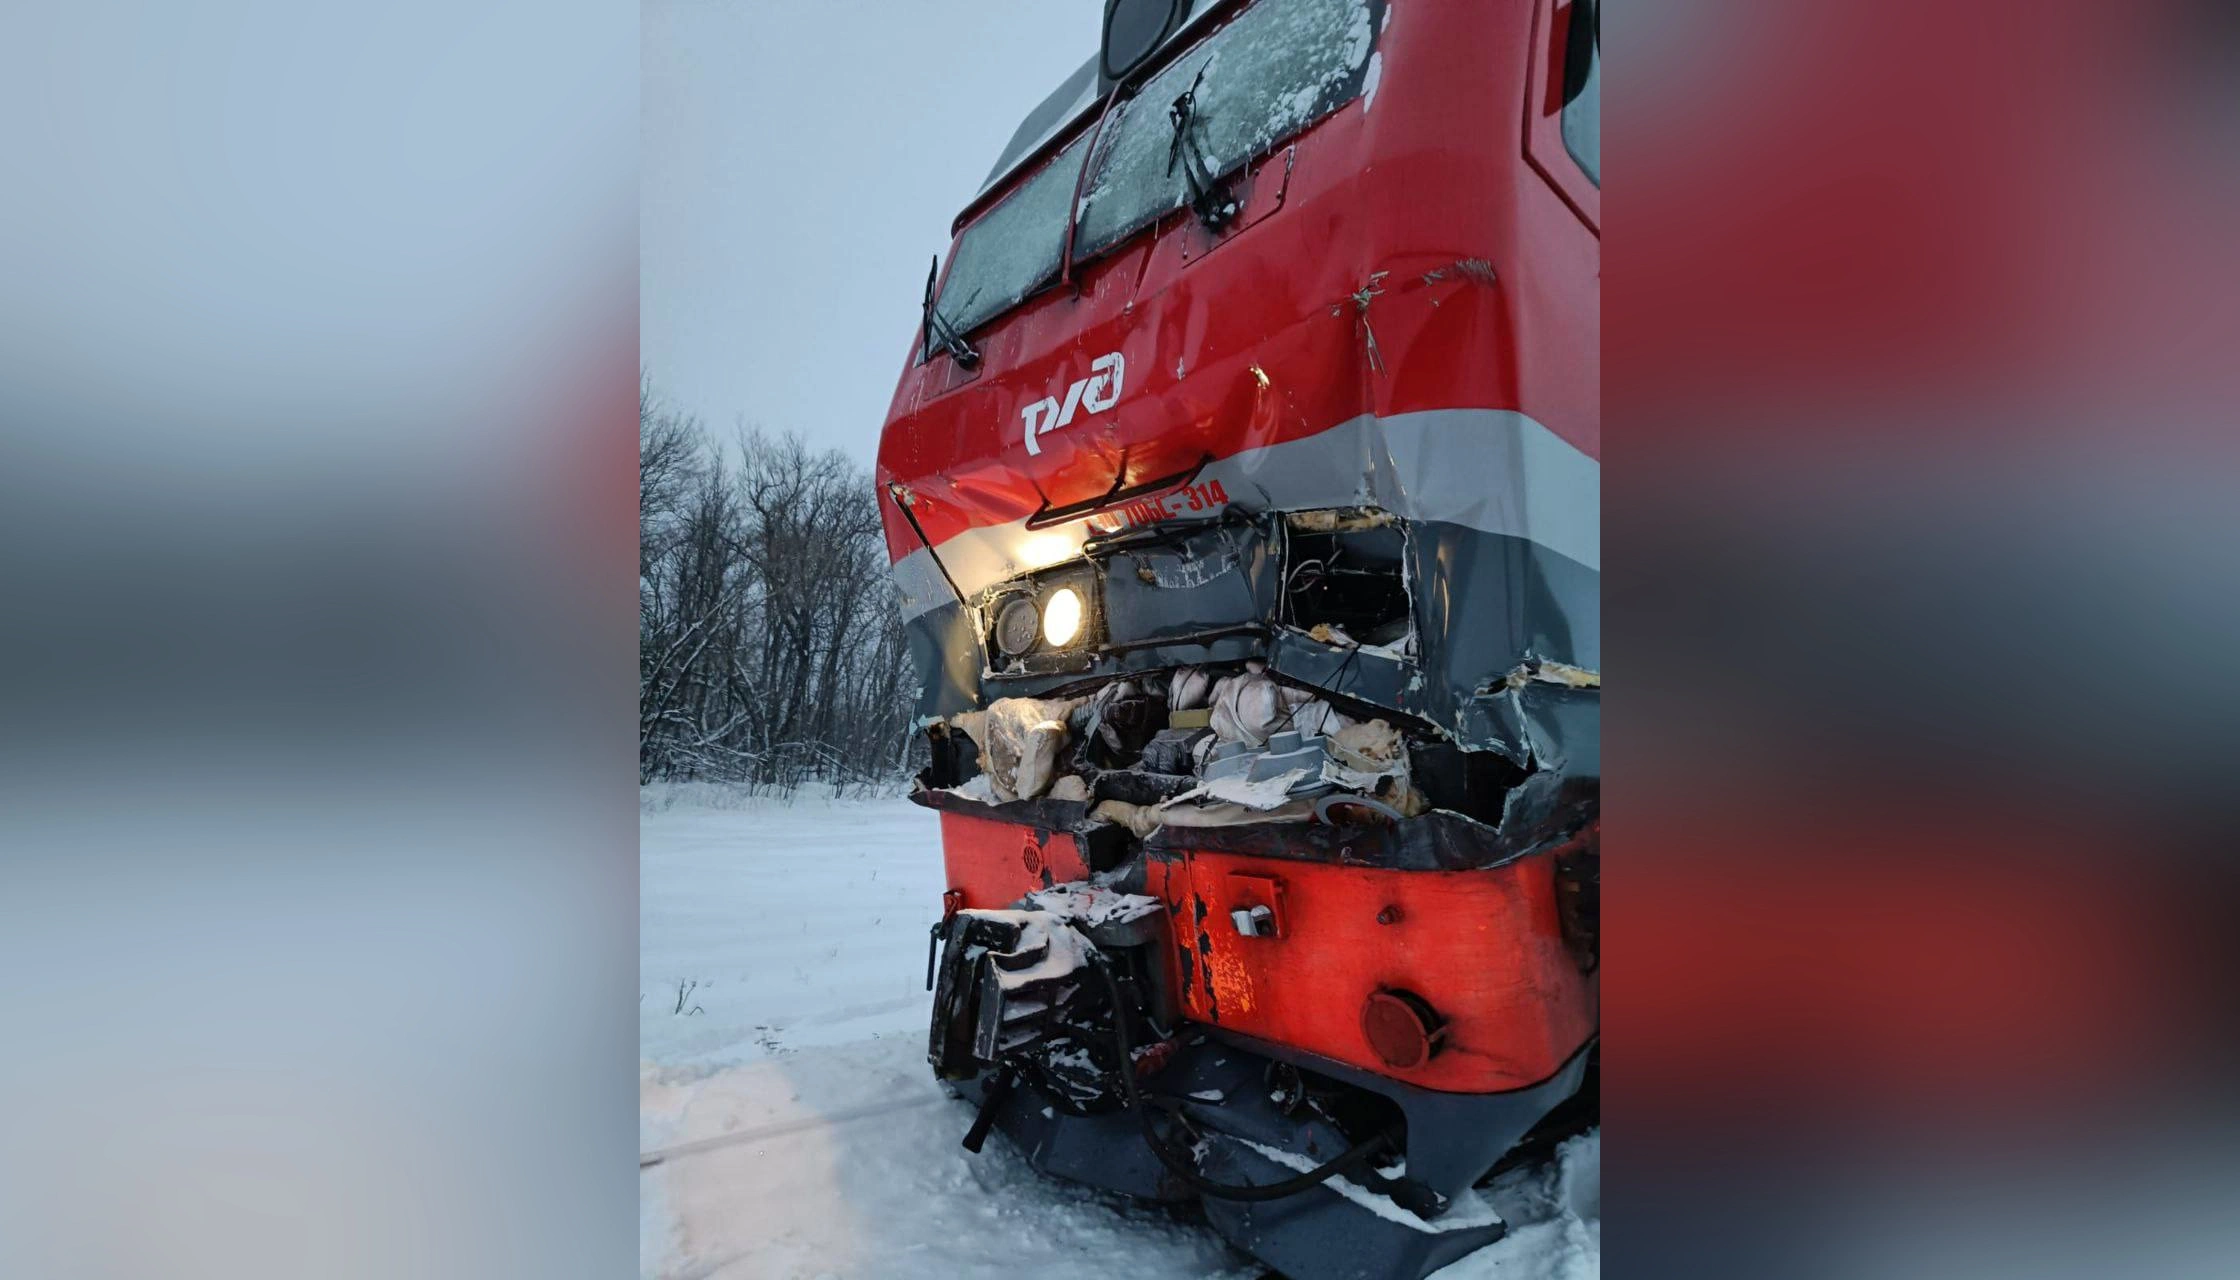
(1095, 393)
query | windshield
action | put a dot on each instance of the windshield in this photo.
(1281, 66)
(1013, 248)
(1278, 67)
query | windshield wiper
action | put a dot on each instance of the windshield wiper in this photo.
(943, 335)
(1213, 205)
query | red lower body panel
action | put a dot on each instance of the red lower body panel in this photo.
(1483, 949)
(994, 864)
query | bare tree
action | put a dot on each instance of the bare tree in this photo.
(770, 643)
(670, 452)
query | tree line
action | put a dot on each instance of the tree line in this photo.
(770, 647)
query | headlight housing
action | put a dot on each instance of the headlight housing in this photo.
(1050, 618)
(1018, 625)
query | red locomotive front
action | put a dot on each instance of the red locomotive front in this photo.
(1243, 488)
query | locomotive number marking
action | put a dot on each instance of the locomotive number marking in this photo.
(1198, 499)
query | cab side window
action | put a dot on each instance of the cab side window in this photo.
(1582, 98)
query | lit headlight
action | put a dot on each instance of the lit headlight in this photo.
(1051, 618)
(1061, 617)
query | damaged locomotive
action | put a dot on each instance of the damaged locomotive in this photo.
(1244, 500)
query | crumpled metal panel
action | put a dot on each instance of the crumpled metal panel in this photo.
(946, 653)
(1487, 608)
(1208, 580)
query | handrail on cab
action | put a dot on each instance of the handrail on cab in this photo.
(1047, 515)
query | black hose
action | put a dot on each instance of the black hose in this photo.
(1180, 1164)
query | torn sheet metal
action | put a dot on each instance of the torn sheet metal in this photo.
(1499, 624)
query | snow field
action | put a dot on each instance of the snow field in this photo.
(791, 1128)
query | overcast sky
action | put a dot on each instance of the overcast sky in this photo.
(802, 161)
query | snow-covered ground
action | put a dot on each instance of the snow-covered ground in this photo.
(789, 1125)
